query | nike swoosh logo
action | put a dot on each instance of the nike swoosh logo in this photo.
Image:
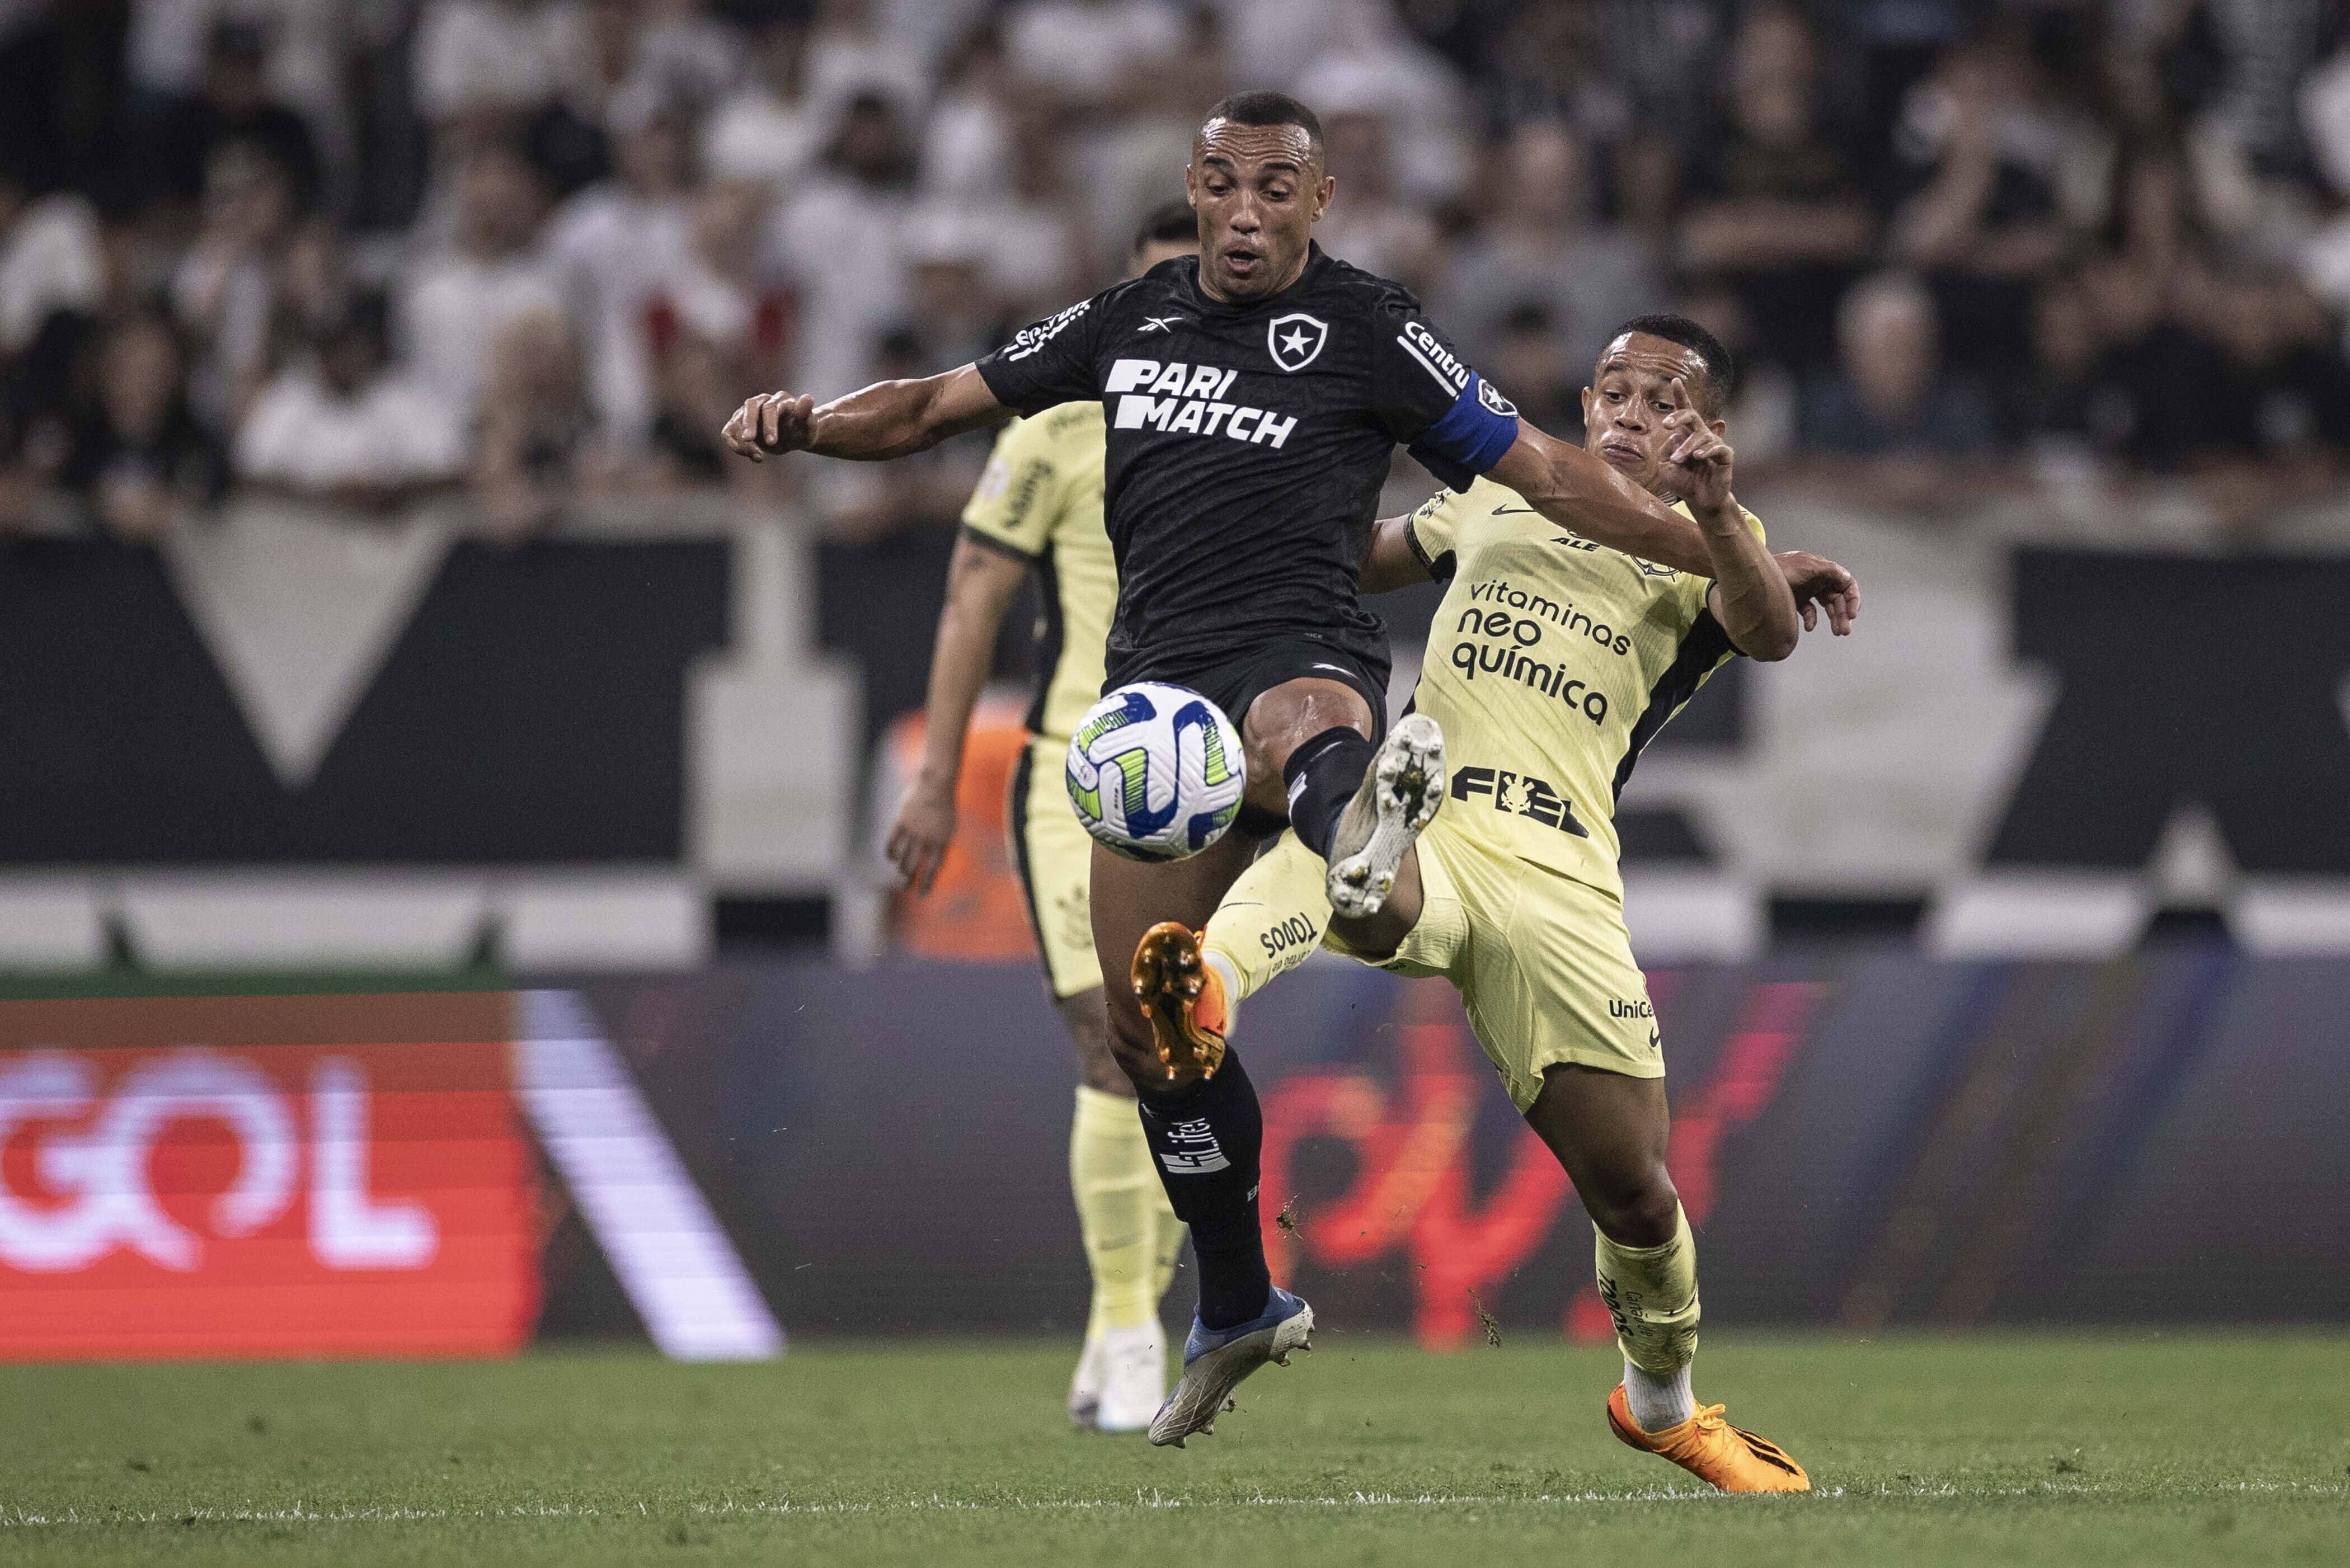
(1333, 669)
(1515, 510)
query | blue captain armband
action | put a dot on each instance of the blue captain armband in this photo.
(1472, 435)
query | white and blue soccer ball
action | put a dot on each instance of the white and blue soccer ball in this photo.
(1155, 773)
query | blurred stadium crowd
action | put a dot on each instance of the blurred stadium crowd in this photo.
(529, 252)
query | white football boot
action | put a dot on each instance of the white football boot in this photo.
(1086, 1387)
(1399, 795)
(1216, 1360)
(1133, 1378)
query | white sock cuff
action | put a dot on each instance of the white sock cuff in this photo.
(1658, 1402)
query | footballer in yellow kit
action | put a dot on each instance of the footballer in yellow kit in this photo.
(1551, 662)
(1037, 509)
(1040, 500)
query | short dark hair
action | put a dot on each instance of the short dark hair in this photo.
(1170, 223)
(1721, 369)
(1263, 106)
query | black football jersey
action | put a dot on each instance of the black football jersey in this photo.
(1247, 446)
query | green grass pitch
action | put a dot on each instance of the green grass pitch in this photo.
(2115, 1448)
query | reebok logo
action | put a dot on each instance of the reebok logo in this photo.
(1188, 399)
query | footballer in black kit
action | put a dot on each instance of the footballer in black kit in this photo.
(1247, 445)
(1251, 396)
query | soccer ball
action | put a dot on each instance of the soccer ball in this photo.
(1155, 773)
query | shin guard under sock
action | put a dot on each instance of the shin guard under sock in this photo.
(1651, 1294)
(1206, 1137)
(1322, 775)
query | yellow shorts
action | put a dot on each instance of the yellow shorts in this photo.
(1543, 963)
(1055, 859)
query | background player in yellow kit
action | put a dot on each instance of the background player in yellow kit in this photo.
(1551, 662)
(1038, 507)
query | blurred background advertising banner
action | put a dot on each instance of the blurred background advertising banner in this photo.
(264, 1177)
(333, 1175)
(1864, 1137)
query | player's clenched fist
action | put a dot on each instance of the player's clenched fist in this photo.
(772, 422)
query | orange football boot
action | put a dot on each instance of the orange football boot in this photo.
(1183, 998)
(1711, 1449)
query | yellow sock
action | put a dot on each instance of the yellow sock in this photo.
(1651, 1293)
(1118, 1200)
(1273, 917)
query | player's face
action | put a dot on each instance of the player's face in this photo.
(1624, 407)
(1258, 190)
(1157, 251)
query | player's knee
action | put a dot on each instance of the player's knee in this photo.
(1294, 712)
(1641, 1208)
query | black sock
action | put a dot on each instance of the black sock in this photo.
(1322, 775)
(1205, 1139)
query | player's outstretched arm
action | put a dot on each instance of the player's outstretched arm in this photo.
(1751, 596)
(886, 419)
(980, 584)
(1577, 491)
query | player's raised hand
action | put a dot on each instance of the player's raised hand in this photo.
(919, 839)
(1696, 460)
(771, 421)
(1819, 583)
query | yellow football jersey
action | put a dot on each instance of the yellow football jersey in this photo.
(1041, 499)
(1552, 661)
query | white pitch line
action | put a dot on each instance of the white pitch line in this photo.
(13, 1517)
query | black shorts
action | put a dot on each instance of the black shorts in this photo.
(1236, 683)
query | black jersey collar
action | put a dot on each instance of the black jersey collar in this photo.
(1317, 261)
